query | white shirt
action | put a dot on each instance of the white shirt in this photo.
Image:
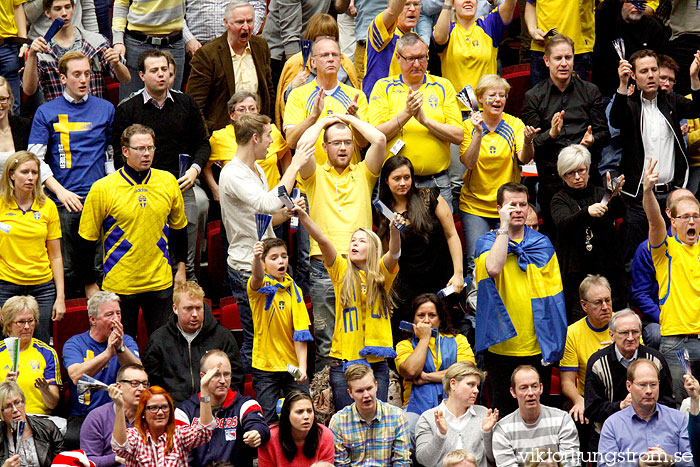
(657, 137)
(625, 362)
(243, 194)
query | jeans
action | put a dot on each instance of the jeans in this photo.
(239, 289)
(341, 398)
(271, 386)
(9, 69)
(323, 301)
(45, 295)
(192, 214)
(442, 182)
(668, 347)
(498, 372)
(652, 335)
(539, 72)
(456, 174)
(134, 49)
(156, 307)
(474, 227)
(425, 25)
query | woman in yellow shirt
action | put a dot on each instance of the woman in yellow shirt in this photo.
(30, 241)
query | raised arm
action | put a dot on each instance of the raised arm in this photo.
(391, 257)
(657, 226)
(391, 15)
(292, 133)
(506, 10)
(377, 149)
(441, 32)
(257, 268)
(327, 249)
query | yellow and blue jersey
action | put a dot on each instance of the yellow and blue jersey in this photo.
(678, 274)
(301, 103)
(497, 164)
(428, 153)
(573, 19)
(471, 53)
(380, 59)
(134, 220)
(38, 361)
(582, 341)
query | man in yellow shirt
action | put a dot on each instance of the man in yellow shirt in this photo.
(678, 274)
(420, 110)
(339, 194)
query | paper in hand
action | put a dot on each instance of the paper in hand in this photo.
(468, 98)
(684, 358)
(262, 221)
(56, 26)
(306, 50)
(619, 45)
(12, 345)
(88, 385)
(388, 213)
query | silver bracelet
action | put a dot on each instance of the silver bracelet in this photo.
(397, 255)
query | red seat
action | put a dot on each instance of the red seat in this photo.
(230, 319)
(555, 388)
(216, 257)
(248, 386)
(142, 333)
(75, 321)
(518, 76)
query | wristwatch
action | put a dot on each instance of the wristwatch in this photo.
(502, 232)
(121, 349)
(205, 399)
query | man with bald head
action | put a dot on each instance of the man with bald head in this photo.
(236, 61)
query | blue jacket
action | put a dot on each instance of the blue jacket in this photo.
(238, 415)
(644, 290)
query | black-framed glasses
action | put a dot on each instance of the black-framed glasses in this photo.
(134, 383)
(157, 408)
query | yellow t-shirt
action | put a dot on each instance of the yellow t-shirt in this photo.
(340, 203)
(428, 153)
(678, 274)
(39, 360)
(301, 102)
(582, 341)
(404, 349)
(575, 19)
(497, 164)
(223, 148)
(345, 320)
(471, 53)
(134, 220)
(516, 298)
(24, 257)
(273, 345)
(8, 28)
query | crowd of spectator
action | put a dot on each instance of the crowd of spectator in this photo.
(431, 265)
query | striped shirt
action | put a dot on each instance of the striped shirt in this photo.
(384, 441)
(147, 17)
(513, 439)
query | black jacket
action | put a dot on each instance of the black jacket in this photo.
(47, 439)
(173, 364)
(626, 115)
(20, 128)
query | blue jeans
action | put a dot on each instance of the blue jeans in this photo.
(45, 295)
(538, 71)
(271, 386)
(668, 347)
(442, 182)
(474, 227)
(239, 289)
(341, 398)
(323, 301)
(134, 49)
(425, 25)
(652, 335)
(9, 69)
(192, 214)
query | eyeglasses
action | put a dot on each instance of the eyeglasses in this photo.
(598, 303)
(13, 405)
(23, 323)
(646, 385)
(421, 59)
(634, 333)
(134, 383)
(337, 144)
(143, 149)
(688, 217)
(158, 408)
(666, 79)
(579, 172)
(4, 100)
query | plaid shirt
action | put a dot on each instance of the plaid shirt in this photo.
(151, 453)
(50, 78)
(384, 441)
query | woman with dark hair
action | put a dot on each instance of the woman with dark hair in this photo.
(423, 359)
(155, 439)
(297, 440)
(428, 243)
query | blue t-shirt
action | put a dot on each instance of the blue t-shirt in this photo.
(82, 347)
(76, 136)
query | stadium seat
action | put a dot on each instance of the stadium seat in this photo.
(216, 258)
(75, 321)
(518, 76)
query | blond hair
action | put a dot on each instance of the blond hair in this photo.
(376, 290)
(489, 82)
(453, 458)
(7, 186)
(458, 371)
(190, 288)
(18, 304)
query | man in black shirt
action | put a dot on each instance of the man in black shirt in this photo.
(568, 111)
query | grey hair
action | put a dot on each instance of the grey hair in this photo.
(621, 314)
(18, 304)
(409, 39)
(571, 157)
(591, 280)
(98, 299)
(241, 96)
(9, 389)
(236, 4)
